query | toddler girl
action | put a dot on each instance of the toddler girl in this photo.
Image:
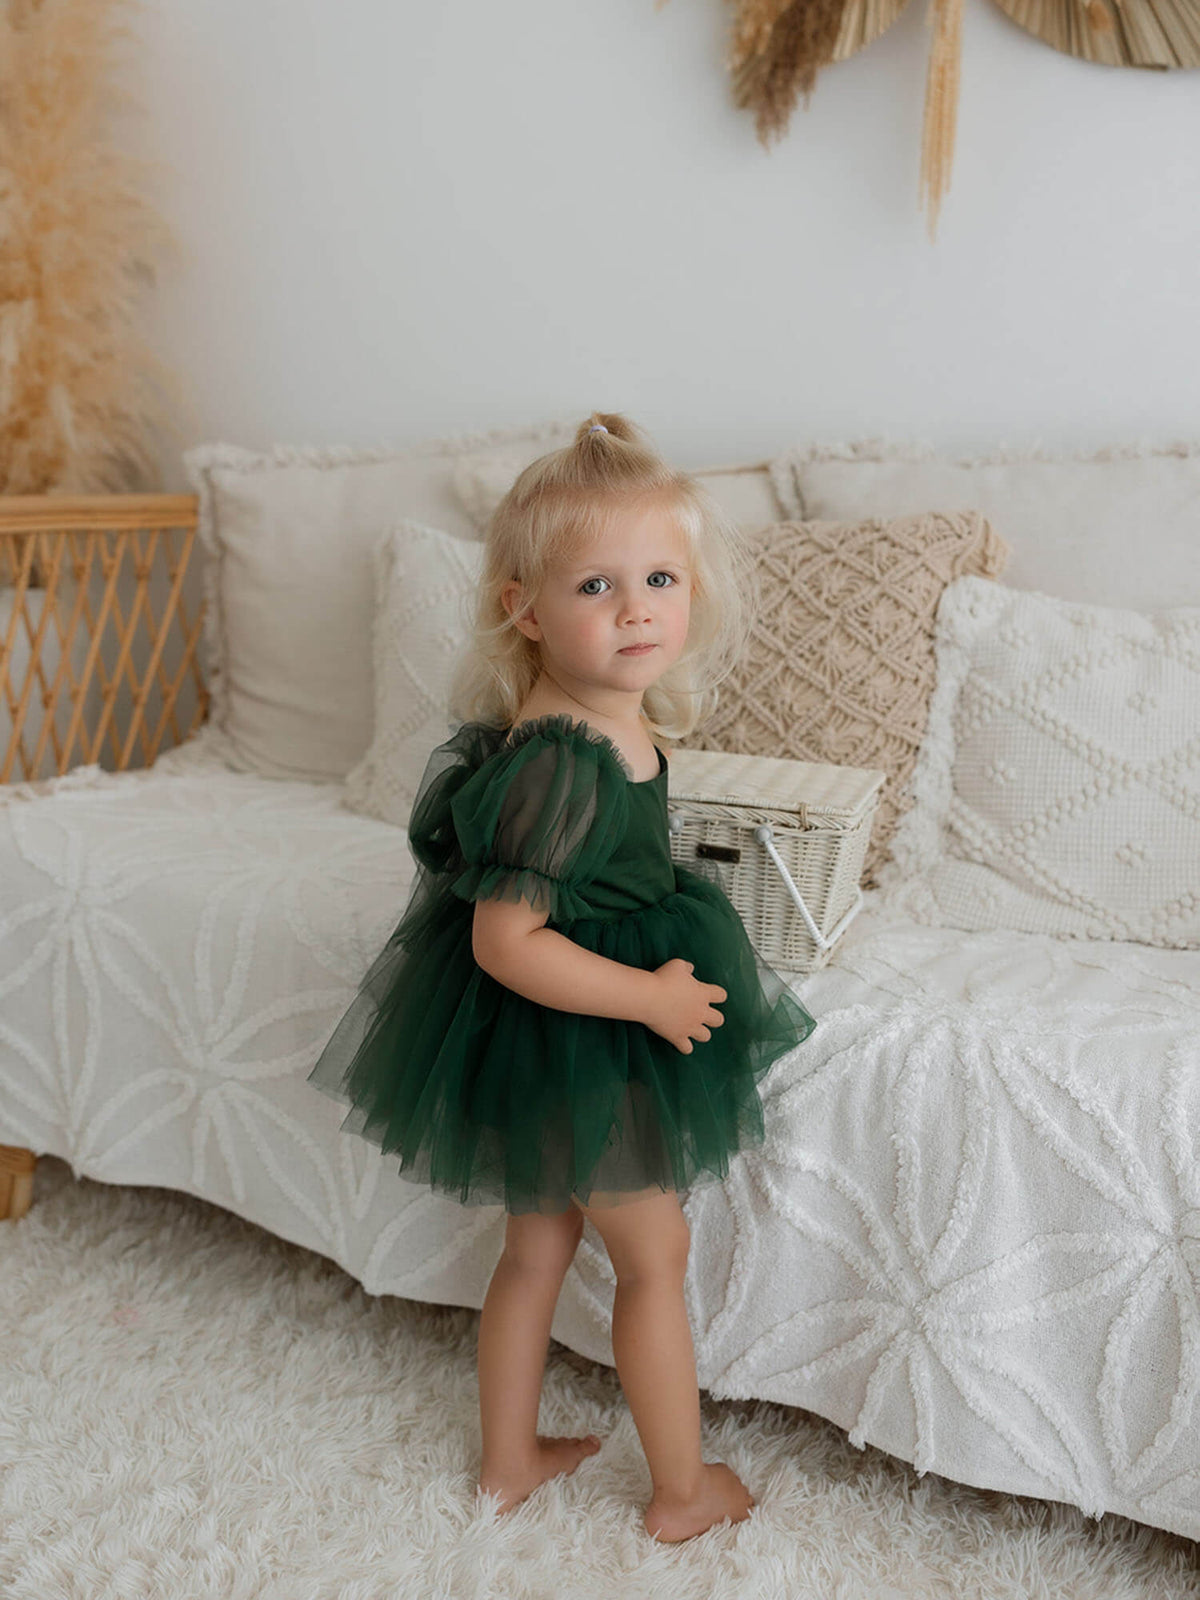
(566, 1022)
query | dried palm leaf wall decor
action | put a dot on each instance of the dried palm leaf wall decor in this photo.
(778, 48)
(1115, 33)
(80, 393)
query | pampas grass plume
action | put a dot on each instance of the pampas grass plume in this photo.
(80, 394)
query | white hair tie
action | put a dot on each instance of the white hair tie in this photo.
(597, 427)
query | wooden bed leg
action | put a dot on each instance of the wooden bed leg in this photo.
(16, 1181)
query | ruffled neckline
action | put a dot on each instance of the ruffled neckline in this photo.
(564, 722)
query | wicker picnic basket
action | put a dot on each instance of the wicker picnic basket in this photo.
(784, 839)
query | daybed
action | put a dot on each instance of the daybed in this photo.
(972, 1237)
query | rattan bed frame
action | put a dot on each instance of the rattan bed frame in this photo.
(62, 548)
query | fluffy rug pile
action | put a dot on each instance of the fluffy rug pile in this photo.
(191, 1408)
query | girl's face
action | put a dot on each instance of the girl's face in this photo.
(633, 586)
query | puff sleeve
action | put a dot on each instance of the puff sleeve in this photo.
(540, 818)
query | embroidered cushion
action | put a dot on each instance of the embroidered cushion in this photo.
(425, 583)
(1057, 790)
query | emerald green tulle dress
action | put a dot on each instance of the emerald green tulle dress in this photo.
(498, 1100)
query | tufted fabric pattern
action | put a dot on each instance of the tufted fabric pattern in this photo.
(1058, 787)
(840, 666)
(971, 1238)
(425, 585)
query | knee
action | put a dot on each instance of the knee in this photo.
(544, 1249)
(660, 1258)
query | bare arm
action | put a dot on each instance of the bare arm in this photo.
(512, 945)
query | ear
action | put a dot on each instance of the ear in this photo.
(511, 598)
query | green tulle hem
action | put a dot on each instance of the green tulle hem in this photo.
(490, 1098)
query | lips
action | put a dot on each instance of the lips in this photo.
(636, 650)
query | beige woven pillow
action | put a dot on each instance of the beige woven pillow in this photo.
(841, 663)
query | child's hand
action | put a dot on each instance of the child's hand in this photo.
(684, 1008)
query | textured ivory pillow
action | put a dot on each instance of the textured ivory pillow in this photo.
(1057, 789)
(483, 478)
(1118, 527)
(288, 539)
(425, 584)
(840, 666)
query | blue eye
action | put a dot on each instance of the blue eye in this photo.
(583, 587)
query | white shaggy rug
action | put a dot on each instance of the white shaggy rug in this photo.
(191, 1408)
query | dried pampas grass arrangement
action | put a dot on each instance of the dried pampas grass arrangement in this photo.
(779, 47)
(80, 394)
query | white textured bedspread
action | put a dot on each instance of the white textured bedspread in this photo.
(972, 1237)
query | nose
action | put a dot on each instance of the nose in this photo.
(635, 608)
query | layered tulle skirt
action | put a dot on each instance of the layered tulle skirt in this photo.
(495, 1099)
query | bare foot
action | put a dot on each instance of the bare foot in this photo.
(721, 1494)
(553, 1456)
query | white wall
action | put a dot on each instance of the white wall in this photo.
(401, 220)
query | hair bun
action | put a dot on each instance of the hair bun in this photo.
(610, 422)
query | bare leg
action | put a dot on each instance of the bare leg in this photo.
(514, 1336)
(647, 1241)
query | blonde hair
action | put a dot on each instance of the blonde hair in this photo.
(566, 499)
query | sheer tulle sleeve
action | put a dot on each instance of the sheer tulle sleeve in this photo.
(540, 818)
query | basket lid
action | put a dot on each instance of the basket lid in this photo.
(735, 778)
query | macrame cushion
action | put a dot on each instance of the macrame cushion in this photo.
(1057, 790)
(288, 539)
(840, 666)
(1119, 526)
(425, 585)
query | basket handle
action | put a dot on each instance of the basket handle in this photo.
(765, 836)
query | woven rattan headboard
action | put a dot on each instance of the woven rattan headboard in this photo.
(83, 654)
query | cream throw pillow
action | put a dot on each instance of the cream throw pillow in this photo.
(1057, 790)
(288, 538)
(425, 586)
(1119, 526)
(840, 666)
(483, 478)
